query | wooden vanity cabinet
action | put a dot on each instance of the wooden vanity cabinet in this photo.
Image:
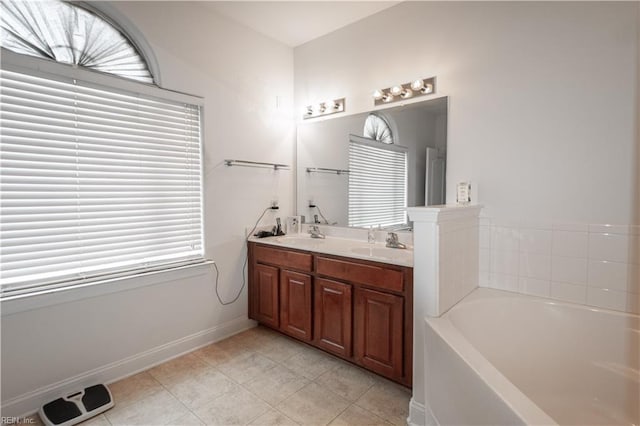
(358, 310)
(280, 290)
(265, 295)
(379, 331)
(295, 304)
(333, 316)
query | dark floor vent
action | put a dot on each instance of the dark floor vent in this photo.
(76, 407)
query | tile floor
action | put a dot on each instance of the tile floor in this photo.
(257, 377)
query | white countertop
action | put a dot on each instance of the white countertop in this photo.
(346, 247)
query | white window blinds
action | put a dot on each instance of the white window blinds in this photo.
(95, 182)
(377, 183)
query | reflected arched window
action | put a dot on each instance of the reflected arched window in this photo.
(377, 176)
(67, 33)
(377, 128)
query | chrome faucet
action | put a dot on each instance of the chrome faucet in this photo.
(315, 232)
(392, 241)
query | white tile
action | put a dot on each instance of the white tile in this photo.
(569, 270)
(536, 224)
(485, 236)
(504, 262)
(633, 303)
(633, 278)
(484, 260)
(535, 287)
(569, 243)
(608, 299)
(574, 293)
(573, 227)
(634, 250)
(609, 229)
(504, 282)
(535, 241)
(613, 247)
(610, 275)
(505, 222)
(484, 221)
(484, 279)
(535, 266)
(503, 238)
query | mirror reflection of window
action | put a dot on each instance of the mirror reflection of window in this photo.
(378, 177)
(377, 128)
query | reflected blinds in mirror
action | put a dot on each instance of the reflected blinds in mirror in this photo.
(377, 183)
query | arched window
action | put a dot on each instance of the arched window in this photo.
(67, 33)
(100, 176)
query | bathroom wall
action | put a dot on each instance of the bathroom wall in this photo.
(247, 82)
(542, 107)
(541, 103)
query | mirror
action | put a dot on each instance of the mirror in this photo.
(348, 174)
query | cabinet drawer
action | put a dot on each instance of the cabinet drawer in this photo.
(285, 258)
(372, 275)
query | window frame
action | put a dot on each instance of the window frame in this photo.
(45, 68)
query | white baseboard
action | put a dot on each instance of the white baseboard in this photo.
(419, 415)
(416, 414)
(28, 403)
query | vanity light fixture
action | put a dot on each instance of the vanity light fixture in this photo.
(324, 108)
(419, 87)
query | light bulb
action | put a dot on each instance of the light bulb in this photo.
(322, 108)
(308, 110)
(388, 97)
(417, 85)
(378, 94)
(406, 94)
(396, 90)
(428, 88)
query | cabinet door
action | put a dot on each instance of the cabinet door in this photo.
(265, 295)
(332, 316)
(295, 304)
(378, 332)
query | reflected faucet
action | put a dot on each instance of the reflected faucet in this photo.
(392, 241)
(315, 232)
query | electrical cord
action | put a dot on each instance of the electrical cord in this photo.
(321, 215)
(244, 264)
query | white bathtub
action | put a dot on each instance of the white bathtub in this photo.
(503, 358)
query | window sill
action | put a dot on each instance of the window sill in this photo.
(33, 301)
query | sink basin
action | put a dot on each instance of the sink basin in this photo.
(302, 241)
(382, 252)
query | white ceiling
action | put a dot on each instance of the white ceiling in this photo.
(297, 22)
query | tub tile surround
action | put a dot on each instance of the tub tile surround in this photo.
(590, 264)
